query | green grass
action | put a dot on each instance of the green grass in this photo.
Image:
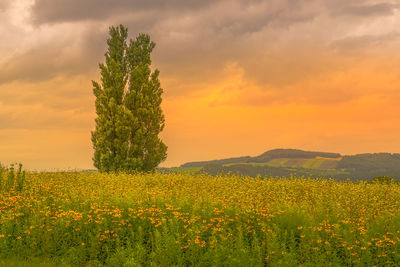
(185, 170)
(313, 163)
(38, 262)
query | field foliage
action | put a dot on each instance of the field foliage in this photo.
(307, 163)
(92, 219)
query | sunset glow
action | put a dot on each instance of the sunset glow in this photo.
(239, 77)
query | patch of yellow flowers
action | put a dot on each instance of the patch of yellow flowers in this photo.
(281, 217)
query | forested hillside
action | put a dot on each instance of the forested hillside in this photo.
(286, 162)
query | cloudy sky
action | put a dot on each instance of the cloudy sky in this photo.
(239, 77)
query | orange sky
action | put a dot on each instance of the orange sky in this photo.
(239, 77)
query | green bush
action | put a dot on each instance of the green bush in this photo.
(382, 180)
(12, 178)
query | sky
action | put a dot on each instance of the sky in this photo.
(240, 77)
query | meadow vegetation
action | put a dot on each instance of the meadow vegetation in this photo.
(94, 219)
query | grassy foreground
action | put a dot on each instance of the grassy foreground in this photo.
(91, 219)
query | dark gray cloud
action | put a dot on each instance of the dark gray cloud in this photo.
(152, 11)
(45, 61)
(192, 36)
(196, 39)
(355, 44)
(371, 10)
(53, 11)
(204, 42)
(236, 15)
(364, 9)
(33, 66)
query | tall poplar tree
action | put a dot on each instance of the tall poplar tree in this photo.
(129, 116)
(143, 100)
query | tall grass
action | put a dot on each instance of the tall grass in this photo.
(92, 219)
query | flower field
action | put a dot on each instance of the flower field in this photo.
(92, 219)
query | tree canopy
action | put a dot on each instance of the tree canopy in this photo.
(128, 106)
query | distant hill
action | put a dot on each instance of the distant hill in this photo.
(265, 157)
(283, 162)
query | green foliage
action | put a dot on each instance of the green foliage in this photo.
(307, 163)
(180, 170)
(128, 105)
(368, 166)
(382, 180)
(2, 169)
(94, 219)
(265, 170)
(12, 178)
(370, 162)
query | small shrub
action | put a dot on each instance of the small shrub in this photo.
(12, 178)
(382, 180)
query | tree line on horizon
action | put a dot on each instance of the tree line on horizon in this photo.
(354, 167)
